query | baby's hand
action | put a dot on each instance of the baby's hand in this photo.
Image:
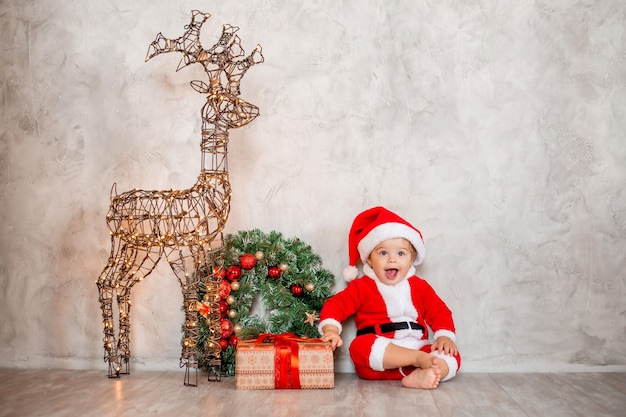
(444, 344)
(331, 334)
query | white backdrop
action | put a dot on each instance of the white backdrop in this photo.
(496, 127)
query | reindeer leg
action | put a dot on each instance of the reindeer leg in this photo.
(127, 265)
(184, 267)
(140, 262)
(185, 262)
(212, 350)
(107, 284)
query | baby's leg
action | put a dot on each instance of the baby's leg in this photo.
(430, 370)
(396, 357)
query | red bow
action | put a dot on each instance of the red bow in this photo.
(203, 308)
(286, 358)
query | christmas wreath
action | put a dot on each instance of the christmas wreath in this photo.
(287, 275)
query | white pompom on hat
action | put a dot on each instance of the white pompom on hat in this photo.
(372, 227)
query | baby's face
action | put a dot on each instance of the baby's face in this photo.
(391, 260)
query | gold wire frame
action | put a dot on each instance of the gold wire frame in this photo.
(185, 226)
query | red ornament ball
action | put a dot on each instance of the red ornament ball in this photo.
(274, 272)
(224, 289)
(233, 273)
(223, 344)
(296, 290)
(219, 272)
(227, 328)
(233, 340)
(224, 308)
(247, 261)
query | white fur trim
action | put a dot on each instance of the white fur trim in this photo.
(446, 333)
(350, 273)
(390, 231)
(397, 298)
(367, 270)
(453, 365)
(411, 272)
(378, 352)
(327, 322)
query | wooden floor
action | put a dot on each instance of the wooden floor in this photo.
(56, 393)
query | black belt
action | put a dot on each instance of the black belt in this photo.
(389, 327)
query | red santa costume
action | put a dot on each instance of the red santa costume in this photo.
(384, 314)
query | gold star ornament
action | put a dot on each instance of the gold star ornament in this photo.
(311, 318)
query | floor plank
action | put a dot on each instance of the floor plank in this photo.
(69, 393)
(608, 389)
(556, 396)
(475, 395)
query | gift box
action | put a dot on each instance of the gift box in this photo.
(284, 362)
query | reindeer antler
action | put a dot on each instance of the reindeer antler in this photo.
(215, 60)
(188, 44)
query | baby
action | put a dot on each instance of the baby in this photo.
(392, 307)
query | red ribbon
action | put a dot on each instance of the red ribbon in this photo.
(203, 308)
(286, 358)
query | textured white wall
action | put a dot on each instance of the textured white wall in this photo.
(496, 127)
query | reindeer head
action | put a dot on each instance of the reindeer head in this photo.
(222, 67)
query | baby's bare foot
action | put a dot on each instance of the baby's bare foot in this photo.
(435, 366)
(426, 376)
(422, 378)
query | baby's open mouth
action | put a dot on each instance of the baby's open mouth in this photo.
(391, 273)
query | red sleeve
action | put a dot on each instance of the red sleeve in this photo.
(435, 312)
(343, 304)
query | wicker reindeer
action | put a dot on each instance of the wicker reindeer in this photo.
(184, 225)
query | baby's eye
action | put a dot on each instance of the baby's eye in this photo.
(401, 253)
(383, 253)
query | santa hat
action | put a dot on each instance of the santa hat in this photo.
(372, 227)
